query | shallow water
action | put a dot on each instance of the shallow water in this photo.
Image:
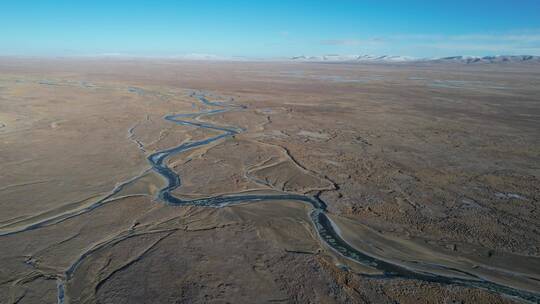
(326, 229)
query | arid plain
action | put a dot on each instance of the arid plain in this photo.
(428, 173)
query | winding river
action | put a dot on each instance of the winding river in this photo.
(324, 226)
(326, 229)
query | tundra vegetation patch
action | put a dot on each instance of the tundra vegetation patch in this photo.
(169, 181)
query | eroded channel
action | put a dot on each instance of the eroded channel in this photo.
(324, 226)
(327, 230)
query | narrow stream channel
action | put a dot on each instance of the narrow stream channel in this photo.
(321, 222)
(326, 229)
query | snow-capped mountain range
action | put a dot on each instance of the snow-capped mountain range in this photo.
(489, 59)
(501, 59)
(372, 58)
(397, 59)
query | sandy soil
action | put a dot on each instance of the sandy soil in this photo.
(420, 166)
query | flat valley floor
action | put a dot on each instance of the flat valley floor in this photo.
(429, 172)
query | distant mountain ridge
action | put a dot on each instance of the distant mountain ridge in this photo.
(490, 59)
(371, 58)
(397, 59)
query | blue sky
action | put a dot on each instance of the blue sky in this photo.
(262, 29)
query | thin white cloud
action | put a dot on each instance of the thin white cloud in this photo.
(477, 47)
(342, 42)
(525, 42)
(495, 37)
